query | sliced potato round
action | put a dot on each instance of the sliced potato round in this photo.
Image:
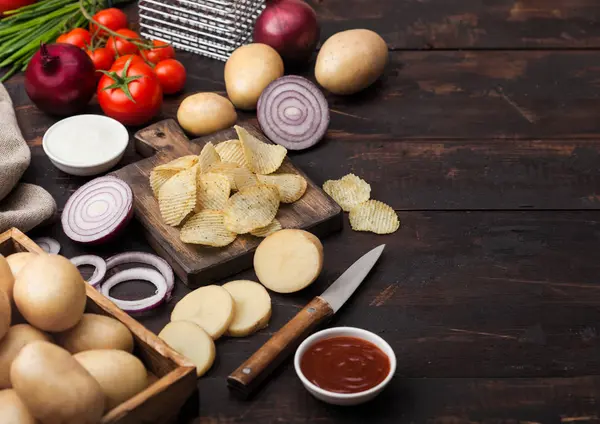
(191, 341)
(288, 260)
(252, 307)
(210, 307)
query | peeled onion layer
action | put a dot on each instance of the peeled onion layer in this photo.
(138, 305)
(98, 210)
(48, 245)
(99, 267)
(293, 112)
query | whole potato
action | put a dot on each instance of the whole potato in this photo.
(248, 71)
(18, 336)
(96, 332)
(7, 281)
(120, 374)
(17, 261)
(5, 313)
(350, 61)
(55, 387)
(50, 293)
(205, 113)
(13, 409)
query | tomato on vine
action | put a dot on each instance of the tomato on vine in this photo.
(171, 74)
(161, 51)
(78, 37)
(101, 57)
(112, 18)
(119, 46)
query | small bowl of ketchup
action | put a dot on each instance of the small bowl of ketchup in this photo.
(345, 365)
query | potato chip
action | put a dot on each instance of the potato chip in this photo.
(179, 164)
(262, 158)
(291, 186)
(238, 176)
(231, 151)
(212, 191)
(208, 156)
(348, 191)
(206, 227)
(274, 226)
(251, 208)
(374, 216)
(158, 177)
(177, 197)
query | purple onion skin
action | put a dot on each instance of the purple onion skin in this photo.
(60, 79)
(291, 28)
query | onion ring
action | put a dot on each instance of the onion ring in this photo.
(99, 268)
(48, 245)
(139, 305)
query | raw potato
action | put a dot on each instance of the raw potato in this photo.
(191, 341)
(289, 260)
(18, 336)
(252, 307)
(7, 280)
(205, 113)
(248, 71)
(350, 61)
(55, 387)
(96, 332)
(210, 307)
(120, 374)
(5, 313)
(50, 293)
(13, 409)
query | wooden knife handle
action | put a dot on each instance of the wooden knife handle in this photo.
(251, 373)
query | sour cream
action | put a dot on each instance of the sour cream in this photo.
(85, 144)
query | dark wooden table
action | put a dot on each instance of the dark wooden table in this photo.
(484, 135)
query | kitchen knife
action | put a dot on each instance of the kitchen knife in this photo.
(251, 373)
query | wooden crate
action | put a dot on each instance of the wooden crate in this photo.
(159, 403)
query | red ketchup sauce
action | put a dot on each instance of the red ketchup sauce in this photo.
(345, 364)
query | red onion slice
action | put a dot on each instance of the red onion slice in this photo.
(98, 210)
(293, 112)
(148, 259)
(99, 268)
(139, 305)
(48, 245)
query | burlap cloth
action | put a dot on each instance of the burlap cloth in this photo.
(21, 205)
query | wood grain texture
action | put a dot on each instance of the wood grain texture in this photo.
(200, 265)
(256, 369)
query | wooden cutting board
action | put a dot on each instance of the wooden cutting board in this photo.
(200, 265)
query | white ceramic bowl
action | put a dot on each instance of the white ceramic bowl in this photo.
(345, 398)
(102, 143)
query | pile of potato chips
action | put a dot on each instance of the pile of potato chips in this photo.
(196, 191)
(352, 193)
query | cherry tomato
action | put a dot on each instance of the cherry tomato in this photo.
(171, 74)
(121, 61)
(145, 90)
(114, 19)
(159, 53)
(78, 37)
(120, 46)
(13, 4)
(102, 59)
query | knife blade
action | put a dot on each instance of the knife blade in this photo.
(248, 376)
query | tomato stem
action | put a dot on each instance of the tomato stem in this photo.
(122, 81)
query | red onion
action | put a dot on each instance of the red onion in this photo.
(99, 268)
(140, 305)
(60, 79)
(98, 210)
(148, 259)
(293, 112)
(48, 245)
(290, 27)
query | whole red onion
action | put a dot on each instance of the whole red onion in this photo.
(290, 27)
(60, 79)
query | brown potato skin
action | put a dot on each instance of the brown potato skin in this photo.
(95, 331)
(350, 61)
(14, 410)
(205, 113)
(50, 293)
(7, 280)
(55, 387)
(16, 338)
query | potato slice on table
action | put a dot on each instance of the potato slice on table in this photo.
(191, 341)
(291, 186)
(252, 307)
(289, 260)
(210, 307)
(262, 158)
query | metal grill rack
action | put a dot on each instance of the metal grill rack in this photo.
(213, 28)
